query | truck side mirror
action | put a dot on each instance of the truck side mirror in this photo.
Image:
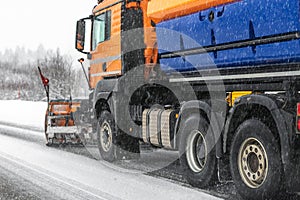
(80, 35)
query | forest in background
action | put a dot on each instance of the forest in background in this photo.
(20, 78)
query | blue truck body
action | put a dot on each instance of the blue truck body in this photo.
(247, 20)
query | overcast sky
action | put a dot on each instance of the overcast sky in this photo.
(52, 23)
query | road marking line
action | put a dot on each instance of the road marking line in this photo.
(18, 162)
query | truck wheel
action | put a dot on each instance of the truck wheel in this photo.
(197, 154)
(255, 161)
(105, 135)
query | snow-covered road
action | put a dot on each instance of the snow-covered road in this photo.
(58, 174)
(72, 176)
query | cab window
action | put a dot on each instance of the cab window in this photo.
(101, 28)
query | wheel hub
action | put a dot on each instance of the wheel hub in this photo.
(196, 151)
(106, 136)
(253, 163)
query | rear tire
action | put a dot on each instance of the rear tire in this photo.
(255, 161)
(197, 152)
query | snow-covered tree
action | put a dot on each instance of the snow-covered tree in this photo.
(58, 69)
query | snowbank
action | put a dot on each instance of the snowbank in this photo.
(23, 113)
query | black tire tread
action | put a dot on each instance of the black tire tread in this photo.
(208, 175)
(273, 185)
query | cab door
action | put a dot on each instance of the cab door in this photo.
(105, 45)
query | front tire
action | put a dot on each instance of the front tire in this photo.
(255, 161)
(197, 152)
(106, 133)
(112, 145)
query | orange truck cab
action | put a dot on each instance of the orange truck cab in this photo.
(122, 37)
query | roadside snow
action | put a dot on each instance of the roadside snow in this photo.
(23, 113)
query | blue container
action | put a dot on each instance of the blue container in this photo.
(233, 23)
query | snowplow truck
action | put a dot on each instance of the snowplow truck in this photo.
(215, 80)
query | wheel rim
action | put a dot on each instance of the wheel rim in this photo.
(196, 151)
(253, 163)
(105, 136)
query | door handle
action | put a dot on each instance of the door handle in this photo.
(104, 67)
